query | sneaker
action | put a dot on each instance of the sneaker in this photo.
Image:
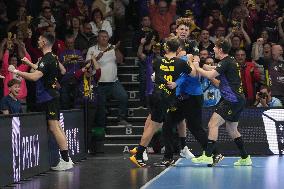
(243, 162)
(134, 151)
(145, 156)
(165, 163)
(216, 160)
(123, 122)
(63, 165)
(185, 153)
(138, 162)
(202, 159)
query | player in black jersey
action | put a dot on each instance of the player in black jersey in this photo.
(48, 95)
(166, 69)
(229, 109)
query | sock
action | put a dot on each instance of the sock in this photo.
(182, 142)
(140, 150)
(64, 155)
(210, 148)
(240, 144)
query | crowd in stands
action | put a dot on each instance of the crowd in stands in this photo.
(93, 29)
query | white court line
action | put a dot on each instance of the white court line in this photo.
(158, 176)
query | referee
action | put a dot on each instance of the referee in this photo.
(48, 95)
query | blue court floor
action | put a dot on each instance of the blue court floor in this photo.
(266, 173)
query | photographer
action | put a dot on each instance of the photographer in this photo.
(264, 98)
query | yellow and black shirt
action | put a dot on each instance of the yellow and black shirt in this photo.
(168, 70)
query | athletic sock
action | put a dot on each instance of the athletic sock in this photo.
(182, 142)
(240, 144)
(210, 147)
(140, 150)
(64, 155)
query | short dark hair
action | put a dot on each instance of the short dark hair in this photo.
(223, 44)
(173, 44)
(49, 37)
(97, 10)
(13, 82)
(103, 31)
(265, 87)
(69, 35)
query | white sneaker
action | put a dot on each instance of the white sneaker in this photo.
(185, 153)
(145, 156)
(63, 165)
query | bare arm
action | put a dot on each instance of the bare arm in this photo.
(208, 74)
(215, 82)
(280, 28)
(61, 68)
(140, 53)
(246, 36)
(208, 67)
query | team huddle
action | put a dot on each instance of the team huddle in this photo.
(176, 97)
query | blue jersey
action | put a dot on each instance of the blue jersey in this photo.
(211, 94)
(187, 84)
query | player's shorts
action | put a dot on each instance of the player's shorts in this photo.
(51, 108)
(230, 111)
(158, 106)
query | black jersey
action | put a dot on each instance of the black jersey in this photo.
(230, 81)
(168, 70)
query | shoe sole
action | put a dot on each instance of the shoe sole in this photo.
(134, 161)
(214, 164)
(54, 169)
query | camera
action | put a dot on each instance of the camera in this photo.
(262, 95)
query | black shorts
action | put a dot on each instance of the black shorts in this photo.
(51, 108)
(158, 106)
(230, 111)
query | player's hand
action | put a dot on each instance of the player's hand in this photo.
(171, 85)
(196, 61)
(26, 61)
(12, 69)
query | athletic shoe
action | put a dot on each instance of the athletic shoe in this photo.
(243, 162)
(185, 153)
(165, 163)
(138, 162)
(63, 165)
(202, 159)
(216, 160)
(134, 151)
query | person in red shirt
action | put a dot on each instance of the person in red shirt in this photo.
(162, 16)
(250, 76)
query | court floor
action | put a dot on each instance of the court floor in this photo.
(266, 173)
(116, 172)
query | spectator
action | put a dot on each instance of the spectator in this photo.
(276, 73)
(257, 47)
(264, 99)
(46, 19)
(162, 16)
(98, 23)
(58, 46)
(72, 60)
(107, 9)
(88, 77)
(280, 27)
(268, 20)
(205, 43)
(85, 39)
(108, 57)
(203, 54)
(194, 30)
(263, 63)
(173, 28)
(119, 7)
(80, 10)
(250, 76)
(75, 27)
(215, 20)
(219, 32)
(239, 38)
(145, 30)
(13, 60)
(10, 104)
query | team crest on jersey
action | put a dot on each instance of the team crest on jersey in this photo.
(41, 65)
(218, 65)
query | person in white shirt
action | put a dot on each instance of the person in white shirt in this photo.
(99, 23)
(108, 86)
(264, 98)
